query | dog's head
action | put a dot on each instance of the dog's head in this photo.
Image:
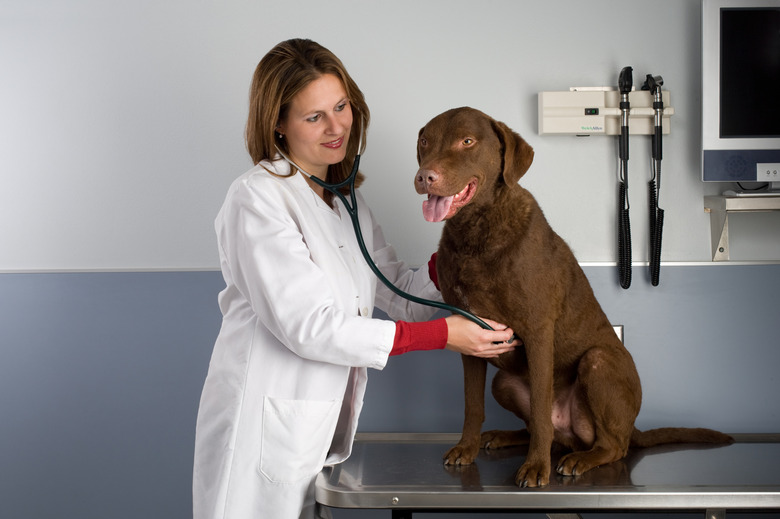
(464, 157)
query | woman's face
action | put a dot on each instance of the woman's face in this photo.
(317, 125)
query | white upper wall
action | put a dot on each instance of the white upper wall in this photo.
(122, 122)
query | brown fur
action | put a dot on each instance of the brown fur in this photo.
(573, 382)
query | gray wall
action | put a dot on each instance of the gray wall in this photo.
(122, 121)
(121, 129)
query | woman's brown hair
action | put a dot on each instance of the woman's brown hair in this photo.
(282, 73)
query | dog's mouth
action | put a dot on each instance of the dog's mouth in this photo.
(438, 208)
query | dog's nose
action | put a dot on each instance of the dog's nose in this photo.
(427, 177)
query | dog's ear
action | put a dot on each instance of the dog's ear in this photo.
(518, 154)
(417, 147)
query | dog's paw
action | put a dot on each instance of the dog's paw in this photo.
(575, 464)
(533, 475)
(461, 454)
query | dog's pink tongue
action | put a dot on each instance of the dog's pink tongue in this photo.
(436, 208)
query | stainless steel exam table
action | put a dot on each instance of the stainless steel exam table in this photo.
(405, 473)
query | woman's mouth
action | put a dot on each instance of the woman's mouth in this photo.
(334, 144)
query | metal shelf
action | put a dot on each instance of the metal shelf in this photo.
(719, 208)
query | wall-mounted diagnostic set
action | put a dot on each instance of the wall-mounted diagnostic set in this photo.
(621, 110)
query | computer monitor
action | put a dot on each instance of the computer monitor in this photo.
(741, 91)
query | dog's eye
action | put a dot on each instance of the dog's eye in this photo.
(423, 141)
(468, 141)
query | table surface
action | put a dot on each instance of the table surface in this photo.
(406, 471)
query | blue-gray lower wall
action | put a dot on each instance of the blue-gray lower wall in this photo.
(99, 384)
(101, 373)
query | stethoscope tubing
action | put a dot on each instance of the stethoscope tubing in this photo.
(352, 210)
(353, 214)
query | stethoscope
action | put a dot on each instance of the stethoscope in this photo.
(352, 210)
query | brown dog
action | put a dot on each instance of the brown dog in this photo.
(573, 382)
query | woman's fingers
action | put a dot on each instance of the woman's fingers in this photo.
(469, 338)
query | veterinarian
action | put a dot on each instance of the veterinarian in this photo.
(288, 372)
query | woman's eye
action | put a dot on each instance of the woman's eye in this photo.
(341, 107)
(314, 118)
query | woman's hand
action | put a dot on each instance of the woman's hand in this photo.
(467, 337)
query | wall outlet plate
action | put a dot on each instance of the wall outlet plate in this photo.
(768, 172)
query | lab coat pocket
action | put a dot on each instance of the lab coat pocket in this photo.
(296, 437)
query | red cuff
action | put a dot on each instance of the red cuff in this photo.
(427, 335)
(432, 270)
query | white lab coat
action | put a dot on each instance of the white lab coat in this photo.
(288, 372)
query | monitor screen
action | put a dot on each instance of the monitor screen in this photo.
(750, 72)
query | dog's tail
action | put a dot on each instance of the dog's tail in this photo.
(667, 435)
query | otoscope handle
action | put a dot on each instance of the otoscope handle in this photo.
(623, 143)
(625, 83)
(658, 106)
(657, 144)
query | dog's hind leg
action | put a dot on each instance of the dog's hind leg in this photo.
(496, 439)
(608, 401)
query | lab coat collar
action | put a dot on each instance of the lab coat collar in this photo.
(298, 182)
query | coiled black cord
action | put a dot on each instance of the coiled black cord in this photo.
(656, 231)
(624, 237)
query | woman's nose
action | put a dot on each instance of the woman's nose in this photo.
(338, 124)
(331, 126)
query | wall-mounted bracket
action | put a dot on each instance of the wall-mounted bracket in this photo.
(596, 111)
(719, 208)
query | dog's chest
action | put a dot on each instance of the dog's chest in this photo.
(465, 281)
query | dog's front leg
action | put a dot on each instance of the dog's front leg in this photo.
(536, 469)
(474, 373)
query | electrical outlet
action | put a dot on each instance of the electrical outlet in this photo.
(768, 172)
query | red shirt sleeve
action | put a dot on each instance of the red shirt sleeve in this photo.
(432, 270)
(427, 335)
